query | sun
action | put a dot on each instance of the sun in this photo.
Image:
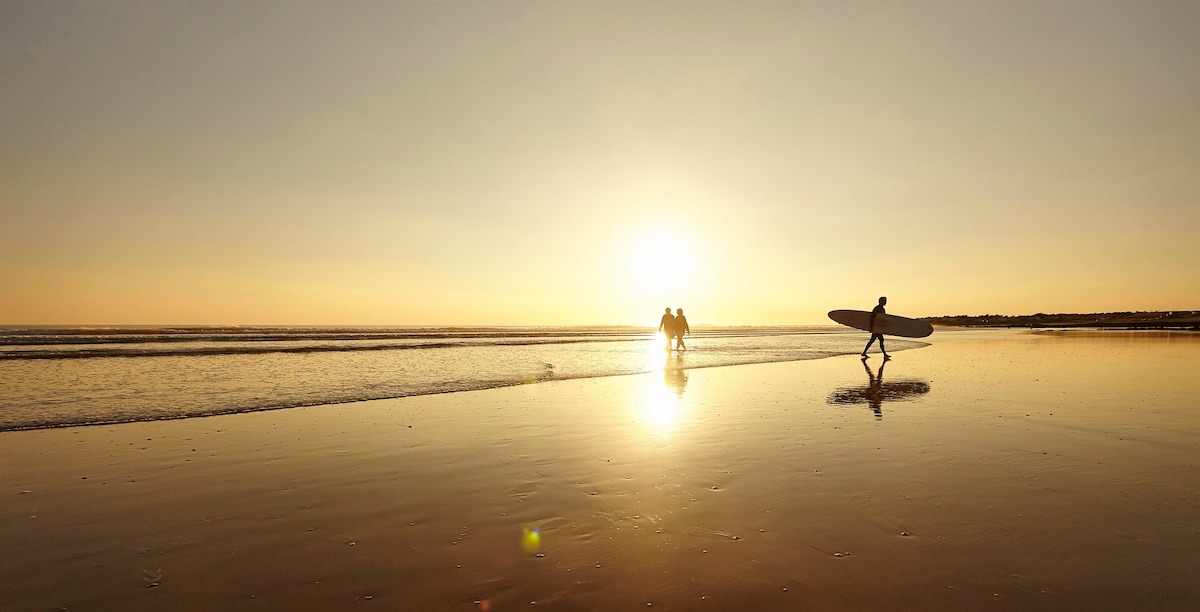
(661, 265)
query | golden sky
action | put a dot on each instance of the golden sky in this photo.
(514, 162)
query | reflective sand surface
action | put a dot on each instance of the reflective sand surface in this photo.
(1043, 471)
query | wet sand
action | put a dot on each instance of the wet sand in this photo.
(993, 469)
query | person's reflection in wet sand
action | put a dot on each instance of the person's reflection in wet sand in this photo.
(873, 389)
(877, 392)
(674, 376)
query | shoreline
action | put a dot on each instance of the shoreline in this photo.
(1081, 327)
(543, 377)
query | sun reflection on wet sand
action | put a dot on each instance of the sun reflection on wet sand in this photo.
(660, 404)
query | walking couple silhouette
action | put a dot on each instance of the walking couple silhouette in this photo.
(675, 326)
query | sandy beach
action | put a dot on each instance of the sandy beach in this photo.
(990, 470)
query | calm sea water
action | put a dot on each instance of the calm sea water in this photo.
(70, 376)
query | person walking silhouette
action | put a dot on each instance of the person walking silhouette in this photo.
(875, 312)
(667, 324)
(681, 327)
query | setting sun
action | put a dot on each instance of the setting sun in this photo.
(662, 268)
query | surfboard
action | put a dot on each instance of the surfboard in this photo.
(891, 325)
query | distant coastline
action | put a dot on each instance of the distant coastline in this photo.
(1159, 320)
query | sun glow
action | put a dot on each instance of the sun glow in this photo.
(662, 266)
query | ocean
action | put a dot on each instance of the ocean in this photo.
(61, 376)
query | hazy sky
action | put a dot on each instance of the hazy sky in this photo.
(551, 162)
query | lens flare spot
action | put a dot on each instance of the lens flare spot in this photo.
(531, 540)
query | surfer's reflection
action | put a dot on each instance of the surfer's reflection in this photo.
(877, 392)
(674, 376)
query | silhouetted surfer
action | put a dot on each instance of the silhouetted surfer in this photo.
(878, 310)
(667, 325)
(681, 327)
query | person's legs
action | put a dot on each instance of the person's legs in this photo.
(679, 342)
(883, 350)
(870, 342)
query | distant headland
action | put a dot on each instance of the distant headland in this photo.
(1170, 319)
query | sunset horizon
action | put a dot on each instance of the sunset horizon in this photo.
(646, 321)
(478, 305)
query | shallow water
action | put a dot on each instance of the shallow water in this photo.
(63, 376)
